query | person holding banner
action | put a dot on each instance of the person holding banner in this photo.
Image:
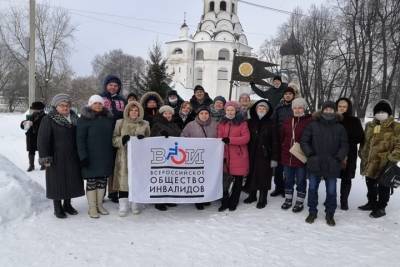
(293, 167)
(132, 124)
(235, 134)
(263, 150)
(93, 138)
(202, 127)
(164, 125)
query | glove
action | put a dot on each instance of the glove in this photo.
(84, 163)
(274, 164)
(226, 140)
(165, 134)
(125, 139)
(140, 136)
(252, 83)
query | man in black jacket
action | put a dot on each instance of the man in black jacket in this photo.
(273, 94)
(325, 144)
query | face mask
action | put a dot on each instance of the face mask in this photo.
(381, 116)
(328, 116)
(230, 117)
(173, 100)
(261, 115)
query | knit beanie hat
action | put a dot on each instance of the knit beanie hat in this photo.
(57, 99)
(328, 104)
(95, 99)
(299, 102)
(202, 108)
(263, 104)
(220, 98)
(232, 104)
(383, 106)
(37, 105)
(166, 108)
(198, 87)
(279, 78)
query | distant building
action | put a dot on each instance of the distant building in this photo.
(206, 57)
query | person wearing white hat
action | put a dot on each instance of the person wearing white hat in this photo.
(94, 140)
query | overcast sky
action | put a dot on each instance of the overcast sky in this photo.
(134, 25)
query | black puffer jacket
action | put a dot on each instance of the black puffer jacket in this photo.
(355, 134)
(325, 145)
(32, 133)
(161, 126)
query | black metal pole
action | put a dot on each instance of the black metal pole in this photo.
(231, 82)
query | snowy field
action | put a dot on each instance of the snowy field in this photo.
(31, 236)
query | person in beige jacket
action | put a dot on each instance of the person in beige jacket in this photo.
(132, 124)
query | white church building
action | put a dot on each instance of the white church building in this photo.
(205, 58)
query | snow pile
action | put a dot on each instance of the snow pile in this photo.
(20, 196)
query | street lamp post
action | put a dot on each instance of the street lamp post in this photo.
(32, 80)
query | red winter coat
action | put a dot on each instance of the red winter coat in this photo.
(287, 159)
(236, 155)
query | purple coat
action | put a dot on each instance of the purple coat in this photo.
(198, 128)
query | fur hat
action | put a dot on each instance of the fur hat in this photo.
(299, 102)
(57, 99)
(166, 108)
(95, 99)
(383, 106)
(263, 104)
(37, 105)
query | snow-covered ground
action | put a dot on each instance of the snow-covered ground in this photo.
(183, 236)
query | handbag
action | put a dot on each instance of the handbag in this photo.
(390, 176)
(296, 150)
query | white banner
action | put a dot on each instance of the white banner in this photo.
(175, 170)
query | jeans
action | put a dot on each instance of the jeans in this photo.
(294, 175)
(330, 202)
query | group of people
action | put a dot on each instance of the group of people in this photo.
(272, 137)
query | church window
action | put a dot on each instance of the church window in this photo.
(178, 51)
(222, 6)
(212, 6)
(199, 54)
(223, 54)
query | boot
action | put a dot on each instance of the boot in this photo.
(31, 162)
(277, 192)
(113, 196)
(311, 218)
(224, 202)
(366, 207)
(262, 199)
(92, 201)
(345, 187)
(236, 190)
(377, 213)
(330, 220)
(135, 208)
(123, 207)
(58, 210)
(251, 198)
(68, 207)
(100, 197)
(42, 167)
(161, 207)
(199, 206)
(287, 204)
(298, 207)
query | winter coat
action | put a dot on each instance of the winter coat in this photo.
(93, 136)
(179, 121)
(282, 112)
(286, 139)
(263, 148)
(236, 155)
(381, 145)
(57, 146)
(115, 103)
(126, 126)
(150, 114)
(274, 95)
(355, 135)
(162, 125)
(198, 128)
(325, 145)
(196, 104)
(217, 115)
(32, 133)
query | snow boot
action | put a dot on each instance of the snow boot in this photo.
(224, 202)
(277, 192)
(298, 207)
(92, 201)
(366, 207)
(58, 210)
(236, 190)
(311, 218)
(100, 197)
(377, 213)
(123, 208)
(330, 220)
(136, 209)
(68, 207)
(113, 196)
(262, 199)
(287, 204)
(161, 207)
(251, 198)
(199, 206)
(31, 162)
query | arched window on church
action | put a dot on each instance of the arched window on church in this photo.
(222, 6)
(212, 6)
(233, 8)
(178, 51)
(223, 54)
(199, 54)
